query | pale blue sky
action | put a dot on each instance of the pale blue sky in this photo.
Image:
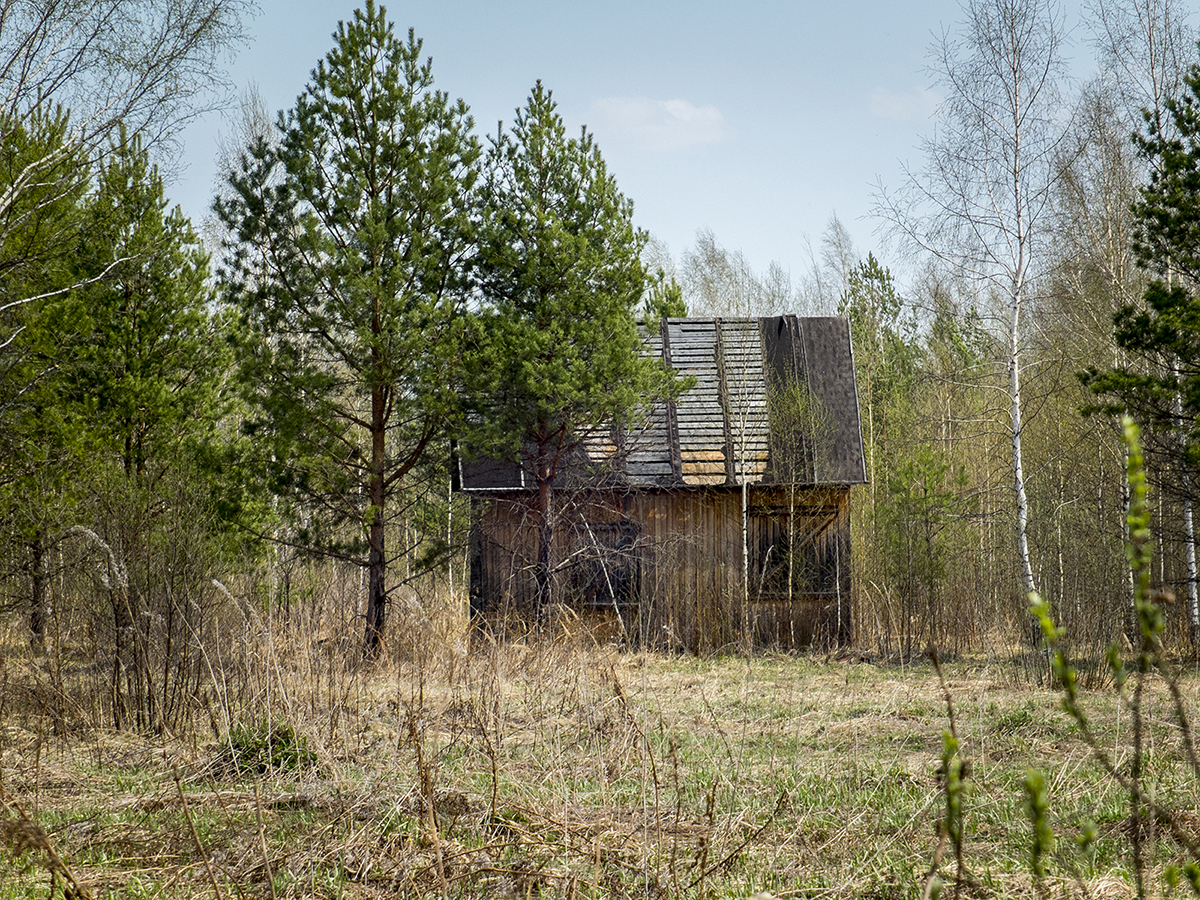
(759, 120)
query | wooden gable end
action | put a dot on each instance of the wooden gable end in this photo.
(771, 401)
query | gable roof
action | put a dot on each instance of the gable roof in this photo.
(774, 400)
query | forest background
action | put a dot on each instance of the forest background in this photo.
(192, 419)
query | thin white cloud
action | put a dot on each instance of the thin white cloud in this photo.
(907, 106)
(661, 125)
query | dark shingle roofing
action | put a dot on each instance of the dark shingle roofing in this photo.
(774, 400)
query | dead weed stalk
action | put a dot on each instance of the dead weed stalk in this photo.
(26, 840)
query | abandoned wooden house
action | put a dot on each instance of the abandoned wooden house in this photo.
(726, 515)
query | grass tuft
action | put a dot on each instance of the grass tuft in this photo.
(265, 747)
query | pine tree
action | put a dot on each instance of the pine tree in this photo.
(349, 238)
(150, 370)
(561, 277)
(39, 228)
(44, 177)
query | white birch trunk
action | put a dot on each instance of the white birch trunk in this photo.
(1018, 466)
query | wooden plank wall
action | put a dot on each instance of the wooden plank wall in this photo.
(668, 564)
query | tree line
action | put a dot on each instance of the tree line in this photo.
(1047, 244)
(390, 290)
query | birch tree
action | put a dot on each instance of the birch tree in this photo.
(982, 201)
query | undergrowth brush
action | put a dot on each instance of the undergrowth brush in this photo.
(458, 766)
(571, 770)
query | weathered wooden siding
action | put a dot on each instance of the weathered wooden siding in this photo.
(669, 563)
(650, 529)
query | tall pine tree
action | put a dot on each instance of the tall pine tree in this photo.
(561, 277)
(348, 242)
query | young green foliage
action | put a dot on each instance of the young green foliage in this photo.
(954, 788)
(1037, 804)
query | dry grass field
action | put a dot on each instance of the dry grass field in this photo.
(566, 769)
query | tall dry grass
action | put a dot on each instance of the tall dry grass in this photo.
(559, 765)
